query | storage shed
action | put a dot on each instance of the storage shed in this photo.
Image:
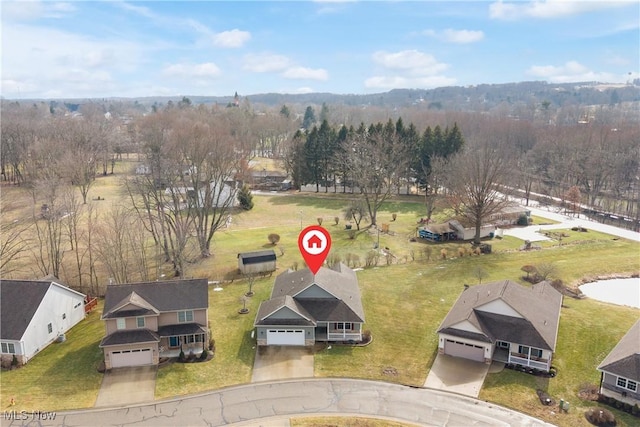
(257, 262)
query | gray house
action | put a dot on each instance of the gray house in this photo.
(620, 370)
(257, 262)
(503, 321)
(305, 308)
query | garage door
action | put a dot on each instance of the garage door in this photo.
(461, 349)
(285, 337)
(135, 357)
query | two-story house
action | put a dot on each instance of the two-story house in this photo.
(147, 321)
(306, 307)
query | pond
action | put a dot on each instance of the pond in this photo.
(615, 291)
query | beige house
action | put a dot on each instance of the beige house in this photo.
(147, 321)
(620, 370)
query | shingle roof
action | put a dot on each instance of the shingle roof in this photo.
(539, 306)
(257, 257)
(339, 281)
(181, 329)
(171, 295)
(624, 359)
(19, 301)
(130, 336)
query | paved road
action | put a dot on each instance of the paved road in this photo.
(272, 403)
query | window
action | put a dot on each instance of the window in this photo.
(523, 349)
(50, 327)
(185, 316)
(535, 352)
(140, 322)
(502, 344)
(8, 348)
(628, 384)
(340, 326)
(190, 339)
(121, 323)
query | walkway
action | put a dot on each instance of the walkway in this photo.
(269, 403)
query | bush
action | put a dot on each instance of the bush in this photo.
(212, 344)
(336, 219)
(245, 198)
(14, 361)
(372, 258)
(273, 238)
(366, 335)
(443, 254)
(181, 356)
(635, 410)
(600, 417)
(351, 233)
(319, 220)
(204, 355)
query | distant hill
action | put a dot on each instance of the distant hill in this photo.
(452, 98)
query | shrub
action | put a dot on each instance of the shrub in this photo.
(181, 356)
(372, 258)
(319, 220)
(351, 234)
(394, 216)
(212, 344)
(366, 335)
(600, 417)
(204, 355)
(427, 251)
(461, 251)
(443, 254)
(245, 198)
(336, 219)
(273, 238)
(333, 258)
(635, 410)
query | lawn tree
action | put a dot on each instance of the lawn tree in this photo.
(14, 239)
(78, 153)
(74, 232)
(313, 156)
(374, 156)
(309, 118)
(546, 270)
(208, 153)
(245, 198)
(356, 211)
(293, 159)
(121, 244)
(475, 182)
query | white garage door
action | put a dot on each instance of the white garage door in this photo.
(136, 357)
(460, 349)
(285, 337)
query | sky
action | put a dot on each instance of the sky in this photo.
(99, 49)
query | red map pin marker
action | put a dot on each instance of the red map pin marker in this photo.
(314, 243)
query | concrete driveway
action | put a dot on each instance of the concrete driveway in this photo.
(282, 363)
(127, 386)
(457, 375)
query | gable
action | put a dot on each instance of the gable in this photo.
(498, 306)
(465, 325)
(284, 313)
(313, 291)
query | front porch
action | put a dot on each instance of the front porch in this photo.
(189, 338)
(506, 356)
(617, 393)
(339, 331)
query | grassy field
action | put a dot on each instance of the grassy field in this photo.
(404, 305)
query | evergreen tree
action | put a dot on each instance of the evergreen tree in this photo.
(309, 118)
(245, 198)
(284, 111)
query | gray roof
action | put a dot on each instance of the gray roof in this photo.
(19, 301)
(257, 257)
(339, 281)
(624, 359)
(181, 329)
(267, 308)
(130, 336)
(151, 297)
(539, 306)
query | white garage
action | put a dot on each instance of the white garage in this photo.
(136, 357)
(465, 350)
(285, 337)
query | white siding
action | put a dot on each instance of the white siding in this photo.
(57, 302)
(498, 306)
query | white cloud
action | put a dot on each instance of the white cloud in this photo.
(265, 62)
(395, 82)
(301, 73)
(412, 61)
(572, 71)
(31, 10)
(456, 36)
(207, 70)
(548, 8)
(233, 38)
(408, 69)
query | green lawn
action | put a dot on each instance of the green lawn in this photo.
(63, 375)
(404, 305)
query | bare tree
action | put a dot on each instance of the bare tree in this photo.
(356, 212)
(14, 242)
(475, 180)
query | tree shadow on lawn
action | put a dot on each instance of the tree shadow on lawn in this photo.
(342, 200)
(509, 378)
(75, 372)
(246, 351)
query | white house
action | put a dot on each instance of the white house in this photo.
(34, 314)
(220, 194)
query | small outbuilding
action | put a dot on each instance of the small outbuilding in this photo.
(257, 262)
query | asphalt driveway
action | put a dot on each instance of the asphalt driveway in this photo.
(282, 363)
(457, 375)
(127, 386)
